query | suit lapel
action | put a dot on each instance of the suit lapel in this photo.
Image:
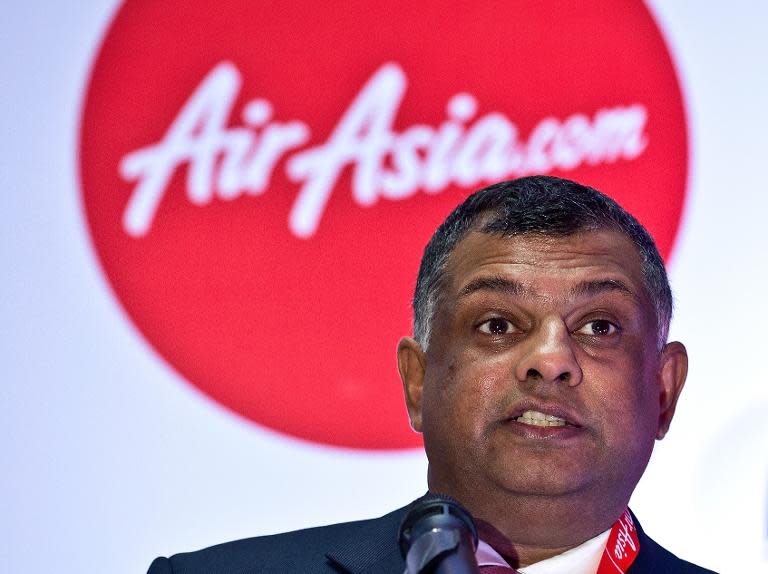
(374, 548)
(646, 561)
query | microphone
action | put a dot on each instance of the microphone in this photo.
(438, 536)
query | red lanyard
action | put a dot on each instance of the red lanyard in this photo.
(622, 546)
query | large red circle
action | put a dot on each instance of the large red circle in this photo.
(295, 326)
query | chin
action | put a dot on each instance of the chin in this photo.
(522, 486)
(541, 479)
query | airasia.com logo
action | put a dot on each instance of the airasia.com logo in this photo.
(259, 201)
(453, 154)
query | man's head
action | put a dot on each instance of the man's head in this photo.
(539, 374)
(536, 205)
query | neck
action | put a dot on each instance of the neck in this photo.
(531, 528)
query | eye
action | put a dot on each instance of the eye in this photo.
(599, 328)
(496, 326)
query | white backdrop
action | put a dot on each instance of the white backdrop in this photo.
(109, 458)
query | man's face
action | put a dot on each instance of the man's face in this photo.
(543, 374)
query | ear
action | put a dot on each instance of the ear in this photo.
(411, 362)
(672, 373)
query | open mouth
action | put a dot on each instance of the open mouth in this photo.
(539, 419)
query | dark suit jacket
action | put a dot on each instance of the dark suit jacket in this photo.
(366, 546)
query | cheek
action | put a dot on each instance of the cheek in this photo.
(464, 395)
(626, 398)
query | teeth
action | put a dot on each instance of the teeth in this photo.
(538, 419)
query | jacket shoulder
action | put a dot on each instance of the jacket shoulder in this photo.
(666, 562)
(304, 550)
(656, 559)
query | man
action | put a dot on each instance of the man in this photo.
(540, 376)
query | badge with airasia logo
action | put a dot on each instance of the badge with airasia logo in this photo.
(259, 181)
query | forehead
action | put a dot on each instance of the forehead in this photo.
(544, 263)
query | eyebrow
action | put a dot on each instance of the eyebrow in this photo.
(512, 287)
(498, 284)
(597, 287)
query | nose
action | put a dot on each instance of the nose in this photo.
(548, 355)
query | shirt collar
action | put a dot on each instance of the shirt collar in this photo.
(583, 559)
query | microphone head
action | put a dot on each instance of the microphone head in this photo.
(437, 512)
